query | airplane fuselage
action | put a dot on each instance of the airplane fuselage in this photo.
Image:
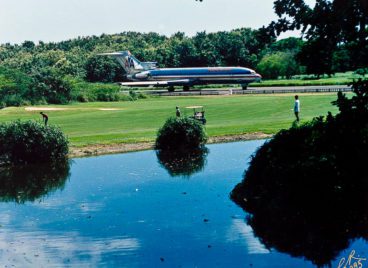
(197, 76)
(147, 74)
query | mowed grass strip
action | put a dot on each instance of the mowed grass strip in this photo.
(297, 80)
(130, 122)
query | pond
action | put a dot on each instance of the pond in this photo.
(129, 210)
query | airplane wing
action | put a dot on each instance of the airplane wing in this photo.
(157, 83)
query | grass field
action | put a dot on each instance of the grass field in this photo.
(304, 80)
(128, 122)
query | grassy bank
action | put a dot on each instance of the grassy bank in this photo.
(301, 80)
(130, 122)
(305, 80)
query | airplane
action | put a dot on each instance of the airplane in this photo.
(144, 74)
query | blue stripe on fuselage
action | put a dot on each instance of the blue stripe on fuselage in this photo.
(200, 71)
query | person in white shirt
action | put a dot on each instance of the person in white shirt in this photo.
(297, 107)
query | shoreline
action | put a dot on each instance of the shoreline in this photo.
(105, 149)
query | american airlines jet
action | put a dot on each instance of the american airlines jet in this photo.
(147, 74)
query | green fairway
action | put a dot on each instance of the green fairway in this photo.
(126, 122)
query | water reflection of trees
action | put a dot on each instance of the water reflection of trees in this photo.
(28, 183)
(183, 163)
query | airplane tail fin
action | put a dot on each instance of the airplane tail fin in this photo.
(130, 64)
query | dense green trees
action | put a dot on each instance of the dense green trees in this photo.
(278, 64)
(77, 56)
(335, 31)
(280, 59)
(46, 86)
(103, 69)
(15, 88)
(46, 67)
(51, 86)
(40, 73)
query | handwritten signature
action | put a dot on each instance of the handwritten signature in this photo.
(352, 261)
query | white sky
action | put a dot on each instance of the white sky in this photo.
(56, 20)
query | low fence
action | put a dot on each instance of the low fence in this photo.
(280, 90)
(296, 90)
(189, 93)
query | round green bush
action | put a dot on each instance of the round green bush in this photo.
(181, 134)
(31, 142)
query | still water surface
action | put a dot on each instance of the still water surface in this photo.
(128, 211)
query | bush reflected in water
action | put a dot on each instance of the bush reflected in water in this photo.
(31, 182)
(183, 163)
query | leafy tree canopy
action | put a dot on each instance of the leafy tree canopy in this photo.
(327, 27)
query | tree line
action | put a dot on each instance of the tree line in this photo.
(56, 72)
(335, 33)
(77, 57)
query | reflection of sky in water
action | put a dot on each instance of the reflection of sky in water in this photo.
(126, 211)
(240, 232)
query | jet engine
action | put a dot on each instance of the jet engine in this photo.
(142, 75)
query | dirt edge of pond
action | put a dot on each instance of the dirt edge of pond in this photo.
(103, 149)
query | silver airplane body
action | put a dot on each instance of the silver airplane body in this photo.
(147, 74)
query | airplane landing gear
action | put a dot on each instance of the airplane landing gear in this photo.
(244, 86)
(171, 89)
(186, 88)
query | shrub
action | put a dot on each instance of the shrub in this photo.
(31, 142)
(361, 71)
(181, 134)
(107, 96)
(89, 92)
(136, 95)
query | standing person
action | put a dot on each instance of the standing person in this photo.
(297, 107)
(178, 113)
(45, 118)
